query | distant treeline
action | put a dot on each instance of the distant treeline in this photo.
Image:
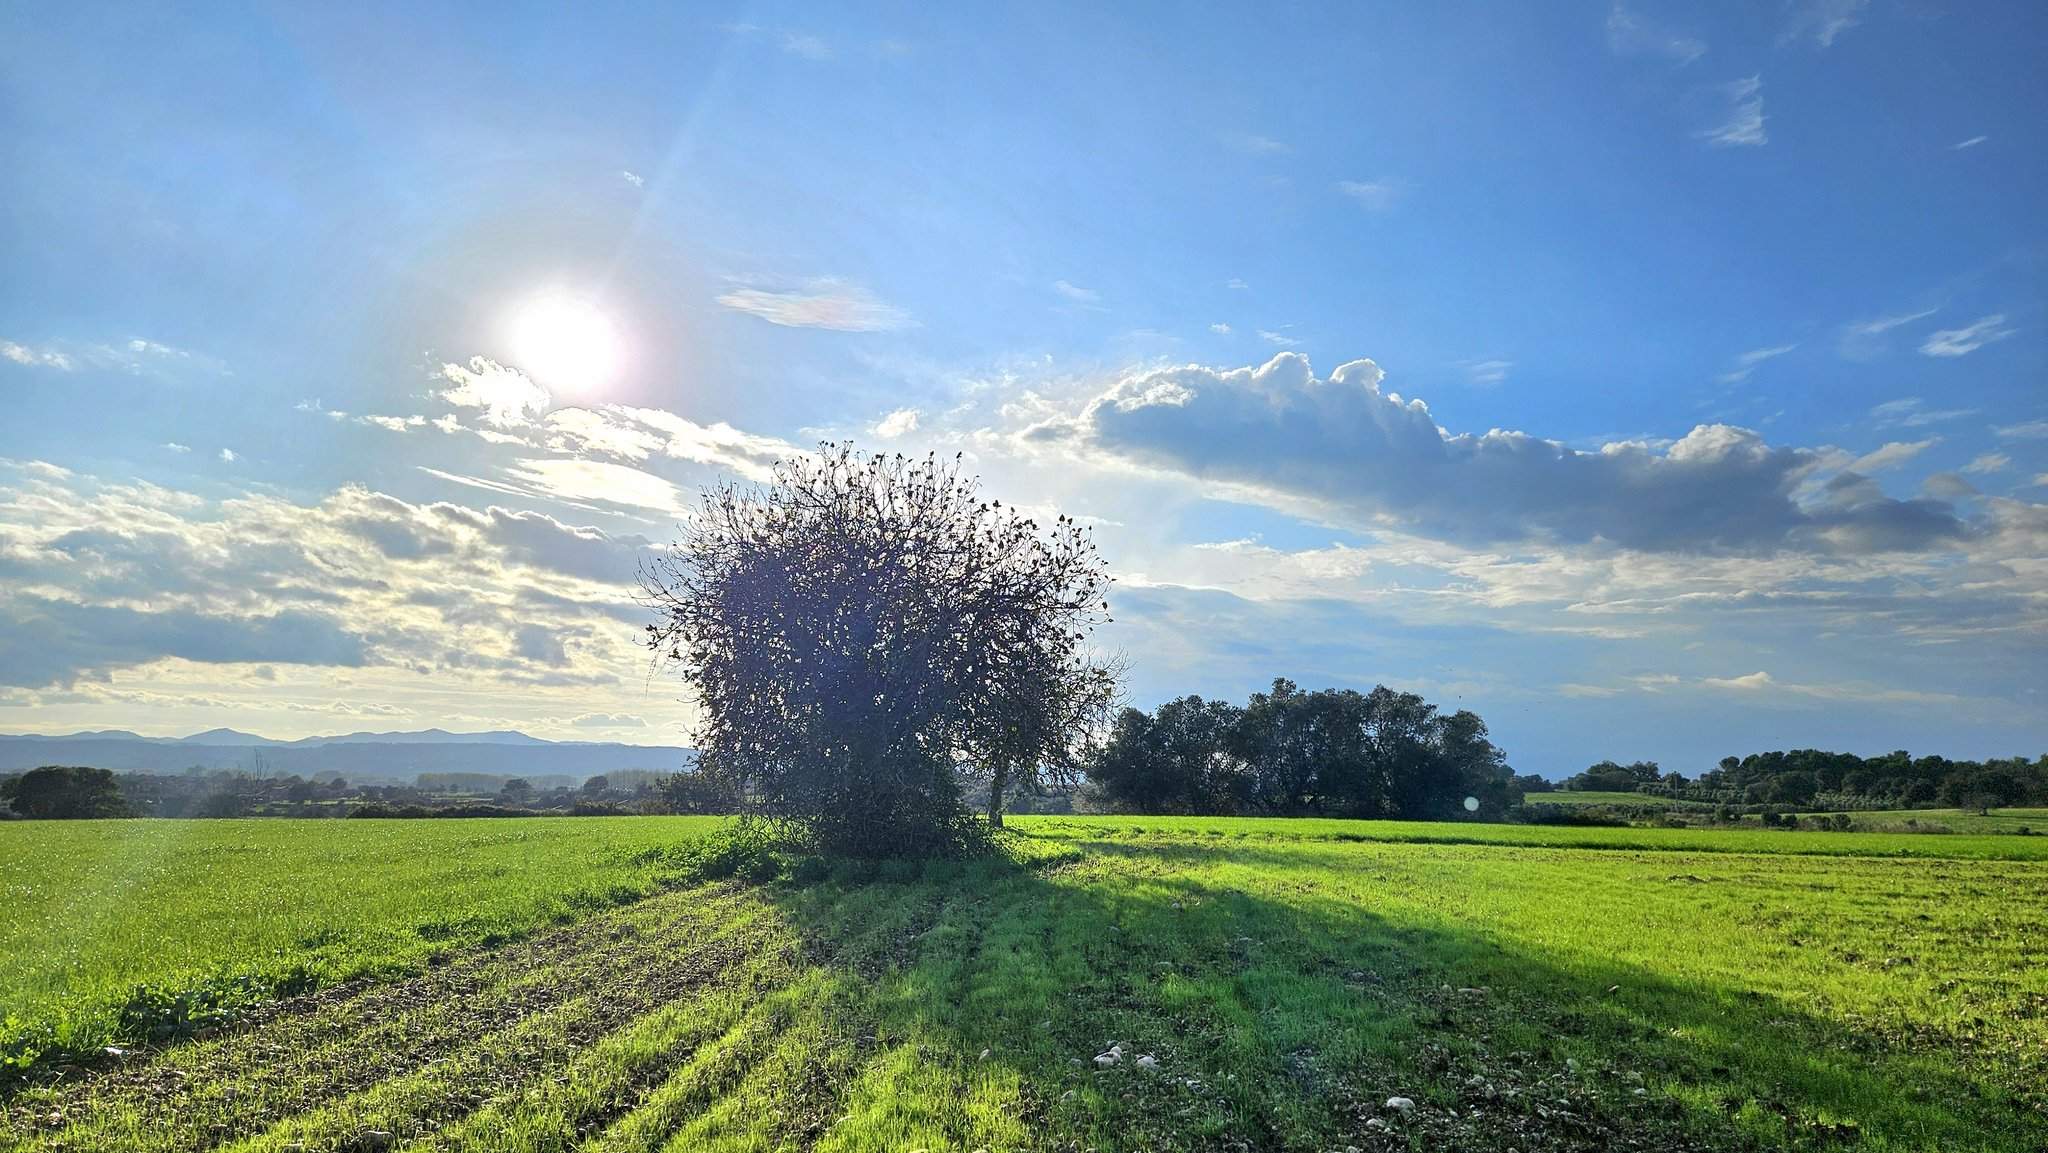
(1331, 752)
(1812, 778)
(74, 792)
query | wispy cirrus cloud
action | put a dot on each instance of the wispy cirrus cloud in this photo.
(1747, 362)
(1076, 293)
(1952, 342)
(1911, 412)
(1743, 125)
(1257, 145)
(1863, 339)
(1972, 142)
(1629, 33)
(1487, 372)
(1371, 195)
(824, 303)
(1821, 22)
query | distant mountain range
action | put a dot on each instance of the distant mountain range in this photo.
(358, 756)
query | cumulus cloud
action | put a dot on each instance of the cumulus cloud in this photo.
(1344, 449)
(1744, 123)
(102, 577)
(829, 304)
(1951, 342)
(503, 395)
(30, 357)
(229, 456)
(898, 423)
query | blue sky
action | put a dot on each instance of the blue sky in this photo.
(1658, 382)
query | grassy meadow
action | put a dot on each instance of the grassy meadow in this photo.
(1109, 984)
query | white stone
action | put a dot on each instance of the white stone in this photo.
(1402, 1104)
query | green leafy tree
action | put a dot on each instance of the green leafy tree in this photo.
(863, 630)
(64, 792)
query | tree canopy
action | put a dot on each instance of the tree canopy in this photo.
(1332, 752)
(862, 629)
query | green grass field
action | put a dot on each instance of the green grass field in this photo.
(1533, 988)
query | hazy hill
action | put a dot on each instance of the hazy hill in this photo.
(358, 756)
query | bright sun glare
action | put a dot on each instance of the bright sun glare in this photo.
(565, 342)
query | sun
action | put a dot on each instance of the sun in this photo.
(565, 342)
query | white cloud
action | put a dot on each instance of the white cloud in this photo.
(1891, 455)
(1279, 338)
(1988, 463)
(1972, 142)
(1629, 34)
(1821, 21)
(633, 178)
(1343, 450)
(598, 482)
(805, 45)
(1747, 362)
(1257, 145)
(829, 304)
(1220, 329)
(1906, 412)
(1866, 338)
(227, 455)
(1488, 372)
(1595, 692)
(1744, 125)
(1076, 293)
(29, 357)
(903, 420)
(1373, 195)
(2029, 430)
(1751, 682)
(1235, 284)
(1950, 342)
(395, 423)
(174, 446)
(504, 394)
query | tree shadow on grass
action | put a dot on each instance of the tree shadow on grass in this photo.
(1284, 1015)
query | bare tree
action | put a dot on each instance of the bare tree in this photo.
(862, 628)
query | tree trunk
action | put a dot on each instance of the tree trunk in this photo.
(997, 785)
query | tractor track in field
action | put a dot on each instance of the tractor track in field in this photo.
(313, 1052)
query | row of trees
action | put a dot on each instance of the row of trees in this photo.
(75, 792)
(1287, 752)
(1816, 778)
